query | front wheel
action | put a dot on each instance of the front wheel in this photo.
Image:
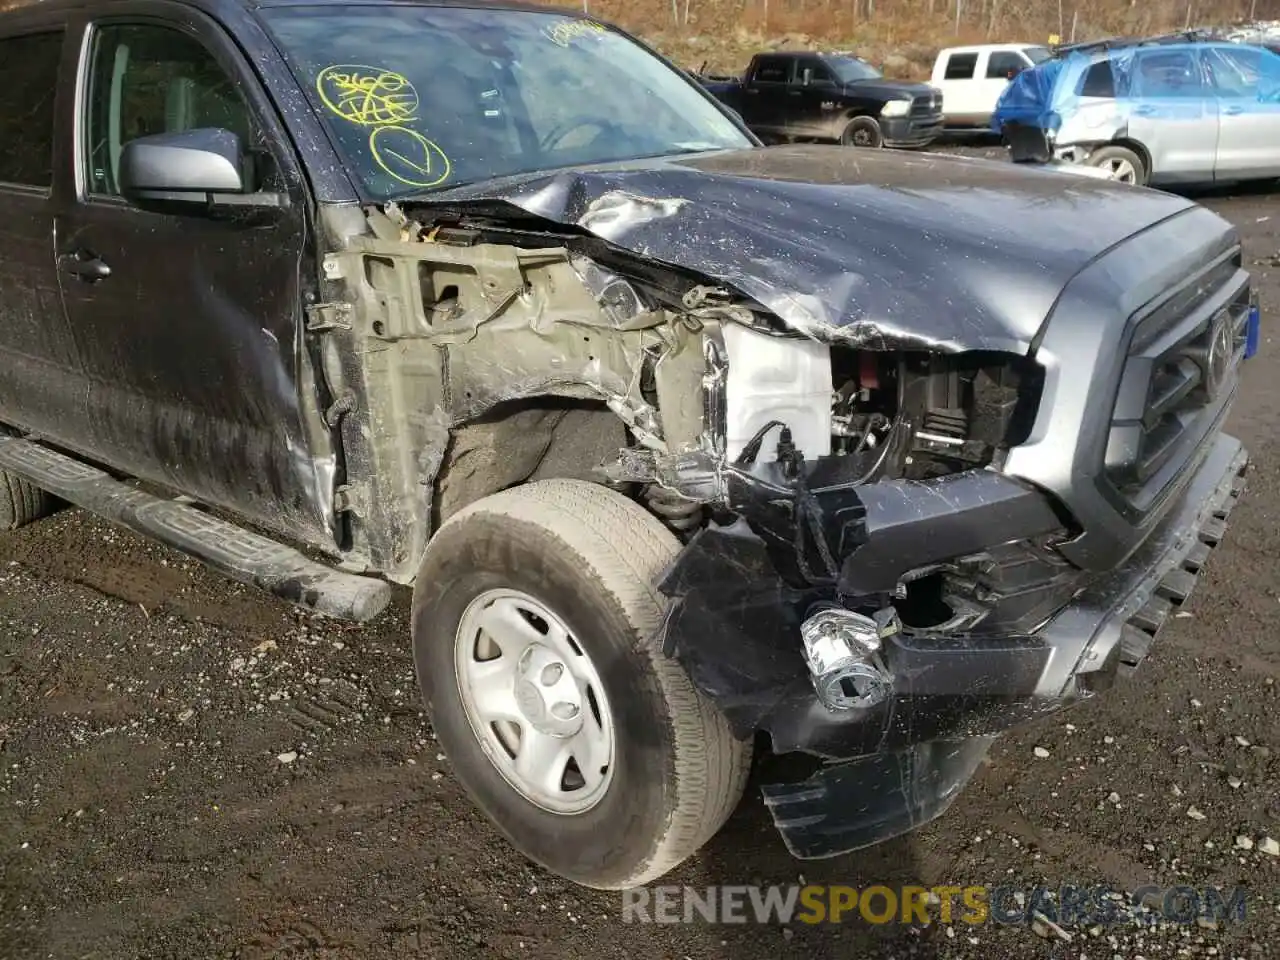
(862, 132)
(535, 622)
(1124, 165)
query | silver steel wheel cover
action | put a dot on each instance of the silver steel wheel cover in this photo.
(534, 701)
(1122, 170)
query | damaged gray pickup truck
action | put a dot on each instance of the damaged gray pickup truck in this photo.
(686, 446)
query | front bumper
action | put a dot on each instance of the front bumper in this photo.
(906, 758)
(910, 132)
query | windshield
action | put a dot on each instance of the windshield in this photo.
(851, 69)
(1038, 54)
(421, 97)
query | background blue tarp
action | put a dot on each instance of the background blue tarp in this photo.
(1028, 99)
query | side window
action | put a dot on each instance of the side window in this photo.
(146, 80)
(1005, 65)
(773, 70)
(1236, 73)
(818, 72)
(1170, 74)
(961, 66)
(1099, 81)
(26, 108)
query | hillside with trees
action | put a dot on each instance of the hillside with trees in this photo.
(902, 34)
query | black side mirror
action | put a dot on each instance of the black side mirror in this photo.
(207, 167)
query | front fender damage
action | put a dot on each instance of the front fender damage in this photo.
(440, 324)
(441, 327)
(432, 323)
(430, 328)
(860, 582)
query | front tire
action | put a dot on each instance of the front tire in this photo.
(1124, 165)
(862, 132)
(535, 622)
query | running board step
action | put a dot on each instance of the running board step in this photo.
(240, 554)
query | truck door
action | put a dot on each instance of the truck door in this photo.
(188, 322)
(1001, 67)
(1247, 83)
(958, 95)
(41, 387)
(1173, 112)
(766, 94)
(813, 100)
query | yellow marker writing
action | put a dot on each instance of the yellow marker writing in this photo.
(409, 157)
(566, 31)
(369, 96)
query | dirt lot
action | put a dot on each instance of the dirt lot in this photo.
(192, 770)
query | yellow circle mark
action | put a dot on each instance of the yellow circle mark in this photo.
(409, 157)
(369, 96)
(566, 31)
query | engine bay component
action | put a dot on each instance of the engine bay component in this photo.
(784, 379)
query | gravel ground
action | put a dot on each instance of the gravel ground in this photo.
(189, 769)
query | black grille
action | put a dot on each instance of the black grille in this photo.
(1180, 372)
(927, 105)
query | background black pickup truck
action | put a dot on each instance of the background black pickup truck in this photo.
(830, 96)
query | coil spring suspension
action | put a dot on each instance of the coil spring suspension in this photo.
(681, 515)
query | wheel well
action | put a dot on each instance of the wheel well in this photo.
(539, 438)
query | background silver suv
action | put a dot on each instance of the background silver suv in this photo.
(1170, 113)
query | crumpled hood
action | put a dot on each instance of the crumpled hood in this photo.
(874, 248)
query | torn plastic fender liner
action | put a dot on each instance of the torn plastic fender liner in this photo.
(913, 523)
(883, 796)
(734, 625)
(865, 537)
(737, 608)
(848, 805)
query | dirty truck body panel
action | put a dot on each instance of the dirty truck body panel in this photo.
(179, 366)
(940, 439)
